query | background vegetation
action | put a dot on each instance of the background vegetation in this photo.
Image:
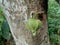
(5, 34)
(54, 22)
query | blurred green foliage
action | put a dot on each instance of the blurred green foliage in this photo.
(4, 28)
(33, 24)
(54, 22)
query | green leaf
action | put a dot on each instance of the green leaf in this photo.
(33, 25)
(6, 30)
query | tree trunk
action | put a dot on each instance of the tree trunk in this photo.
(17, 12)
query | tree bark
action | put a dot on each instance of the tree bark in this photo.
(17, 12)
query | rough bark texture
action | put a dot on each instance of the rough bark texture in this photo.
(17, 12)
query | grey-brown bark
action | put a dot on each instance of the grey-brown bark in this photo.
(17, 12)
